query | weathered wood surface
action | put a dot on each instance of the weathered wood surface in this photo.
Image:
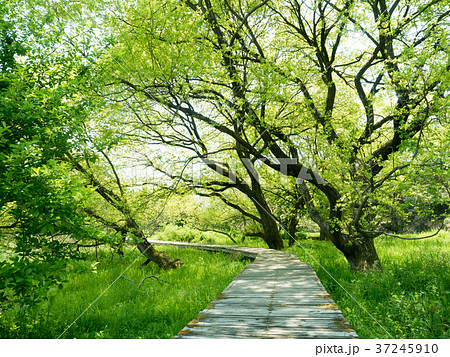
(276, 296)
(248, 252)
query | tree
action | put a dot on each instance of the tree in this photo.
(116, 198)
(283, 84)
(229, 178)
(39, 196)
(44, 109)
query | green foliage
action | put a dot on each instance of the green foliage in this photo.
(40, 198)
(42, 113)
(344, 93)
(373, 123)
(155, 310)
(25, 282)
(9, 42)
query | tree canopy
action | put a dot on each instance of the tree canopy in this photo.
(343, 96)
(46, 101)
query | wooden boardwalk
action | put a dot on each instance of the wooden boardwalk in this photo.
(276, 296)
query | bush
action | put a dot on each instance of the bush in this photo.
(183, 234)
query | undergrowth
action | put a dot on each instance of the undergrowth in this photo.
(159, 308)
(408, 299)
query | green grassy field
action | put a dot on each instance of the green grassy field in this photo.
(158, 309)
(409, 299)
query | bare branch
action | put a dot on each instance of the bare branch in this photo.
(379, 233)
(215, 231)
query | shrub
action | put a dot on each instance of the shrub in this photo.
(183, 234)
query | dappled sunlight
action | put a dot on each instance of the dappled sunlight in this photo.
(276, 296)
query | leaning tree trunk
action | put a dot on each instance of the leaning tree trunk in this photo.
(152, 255)
(147, 249)
(130, 226)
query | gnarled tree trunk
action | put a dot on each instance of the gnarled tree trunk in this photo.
(293, 221)
(272, 234)
(270, 227)
(292, 228)
(362, 255)
(360, 252)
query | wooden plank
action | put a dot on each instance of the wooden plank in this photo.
(269, 332)
(311, 329)
(245, 251)
(319, 324)
(269, 300)
(276, 296)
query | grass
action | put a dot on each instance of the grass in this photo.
(158, 309)
(409, 299)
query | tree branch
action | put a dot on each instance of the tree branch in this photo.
(215, 231)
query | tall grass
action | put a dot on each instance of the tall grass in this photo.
(408, 299)
(160, 308)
